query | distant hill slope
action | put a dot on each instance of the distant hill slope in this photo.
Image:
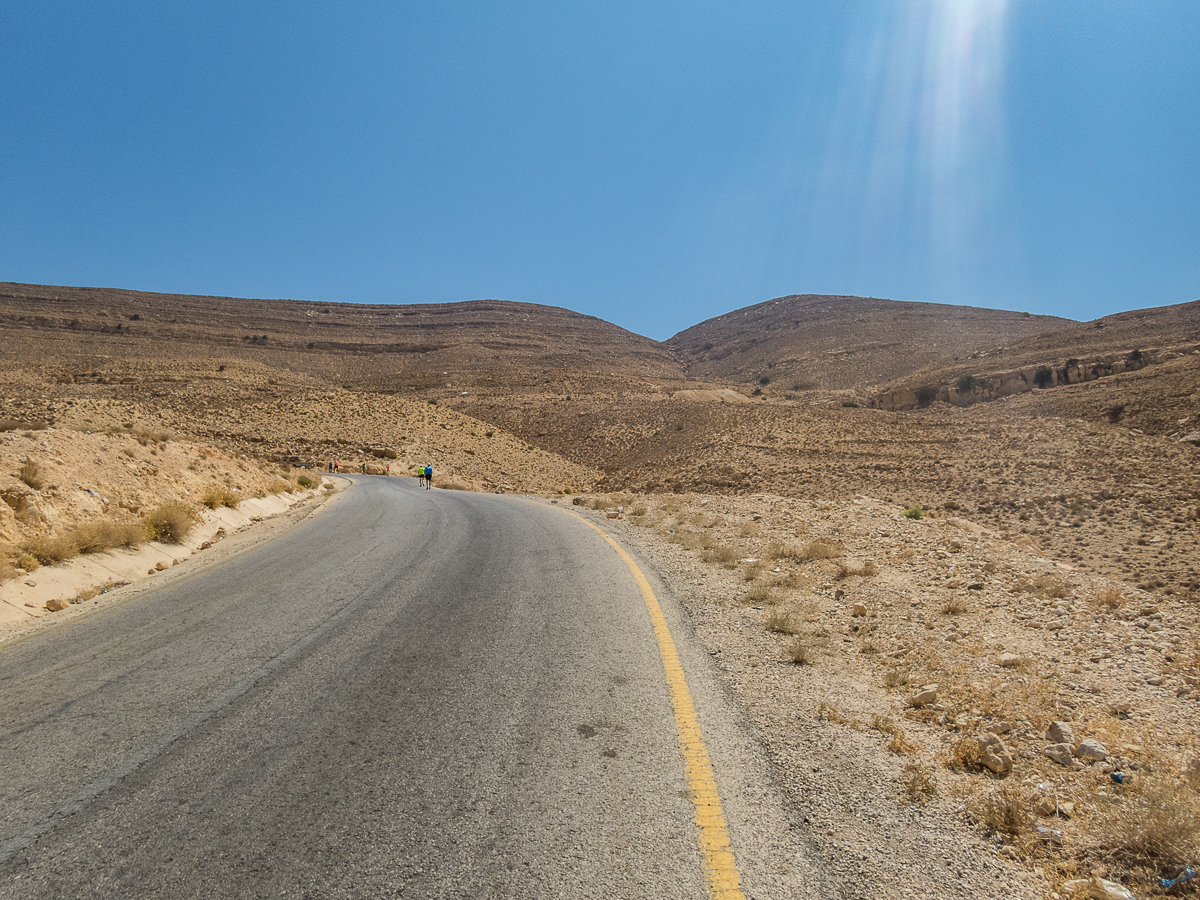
(839, 343)
(1120, 360)
(383, 347)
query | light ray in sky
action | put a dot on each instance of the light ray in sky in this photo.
(916, 151)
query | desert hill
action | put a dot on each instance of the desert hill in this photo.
(95, 333)
(507, 396)
(843, 343)
(1118, 356)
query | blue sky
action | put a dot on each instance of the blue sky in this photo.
(651, 164)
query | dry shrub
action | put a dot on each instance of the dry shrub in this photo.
(822, 548)
(963, 755)
(761, 596)
(1003, 811)
(278, 487)
(31, 474)
(752, 570)
(638, 511)
(866, 570)
(1108, 596)
(170, 522)
(96, 537)
(50, 551)
(218, 495)
(896, 677)
(782, 621)
(920, 785)
(22, 425)
(1154, 824)
(899, 744)
(1049, 587)
(784, 550)
(955, 606)
(145, 436)
(800, 654)
(725, 556)
(453, 486)
(689, 540)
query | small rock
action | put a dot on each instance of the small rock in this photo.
(1119, 706)
(1060, 753)
(1092, 750)
(1154, 680)
(151, 571)
(975, 586)
(160, 566)
(31, 583)
(1008, 660)
(58, 604)
(1060, 733)
(858, 609)
(993, 753)
(1001, 728)
(925, 696)
(1066, 808)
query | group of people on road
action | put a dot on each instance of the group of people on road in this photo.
(424, 473)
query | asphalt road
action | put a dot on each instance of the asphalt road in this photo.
(409, 694)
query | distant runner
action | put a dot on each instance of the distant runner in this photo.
(428, 477)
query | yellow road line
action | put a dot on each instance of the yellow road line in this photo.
(724, 882)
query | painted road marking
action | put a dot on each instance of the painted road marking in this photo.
(724, 881)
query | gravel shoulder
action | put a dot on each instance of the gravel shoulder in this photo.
(1014, 642)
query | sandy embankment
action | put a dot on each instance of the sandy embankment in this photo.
(25, 599)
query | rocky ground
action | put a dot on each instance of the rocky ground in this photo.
(955, 714)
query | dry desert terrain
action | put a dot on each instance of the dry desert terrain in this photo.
(946, 558)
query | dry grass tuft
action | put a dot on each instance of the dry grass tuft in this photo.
(761, 596)
(1050, 587)
(900, 743)
(31, 474)
(800, 654)
(782, 621)
(1003, 811)
(219, 495)
(920, 784)
(963, 755)
(170, 522)
(1154, 825)
(954, 606)
(96, 537)
(22, 425)
(823, 548)
(49, 551)
(725, 556)
(1108, 596)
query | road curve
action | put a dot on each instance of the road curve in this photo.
(410, 694)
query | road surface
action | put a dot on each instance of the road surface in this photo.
(409, 694)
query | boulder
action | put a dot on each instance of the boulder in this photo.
(1060, 753)
(57, 604)
(1060, 733)
(993, 753)
(1091, 750)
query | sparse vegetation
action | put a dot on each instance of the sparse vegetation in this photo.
(170, 522)
(31, 474)
(799, 653)
(304, 481)
(914, 512)
(219, 495)
(920, 783)
(1003, 811)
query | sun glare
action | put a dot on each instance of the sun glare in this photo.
(916, 146)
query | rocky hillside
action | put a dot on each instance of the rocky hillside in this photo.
(844, 343)
(94, 334)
